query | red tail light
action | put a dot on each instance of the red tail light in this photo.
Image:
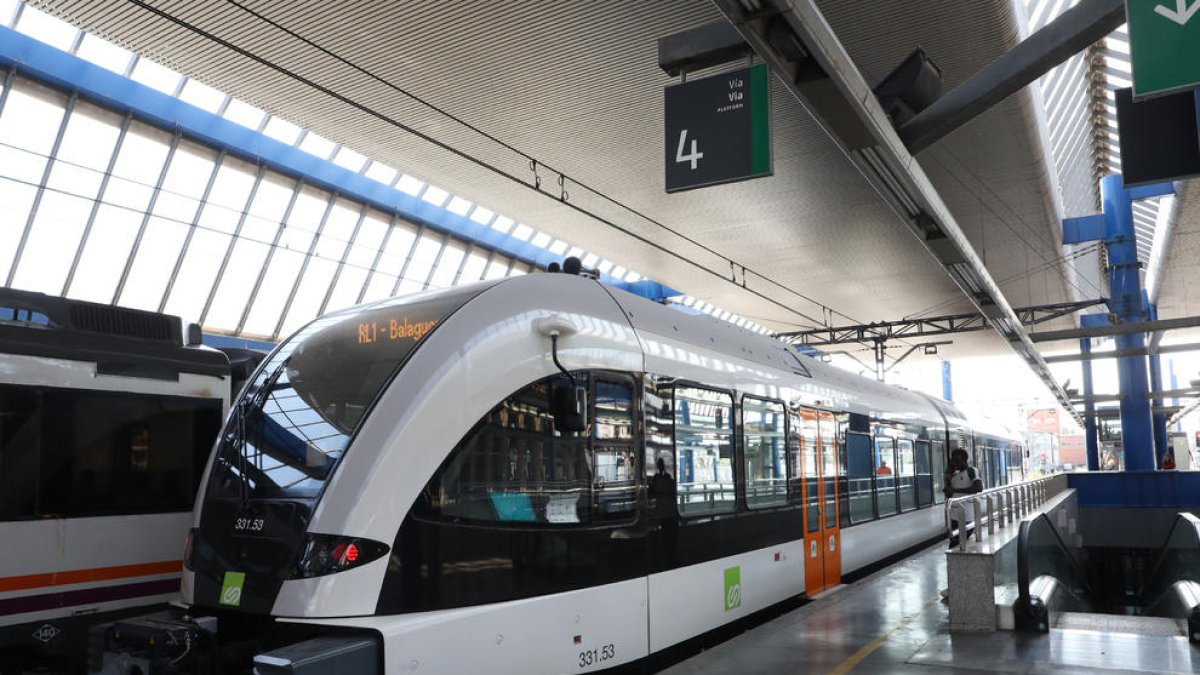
(327, 554)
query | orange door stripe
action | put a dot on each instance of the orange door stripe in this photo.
(94, 574)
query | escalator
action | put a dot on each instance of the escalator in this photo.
(1056, 577)
(1172, 588)
(1051, 576)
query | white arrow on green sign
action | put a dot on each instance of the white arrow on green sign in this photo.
(1164, 38)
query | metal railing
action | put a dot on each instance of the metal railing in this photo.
(1005, 504)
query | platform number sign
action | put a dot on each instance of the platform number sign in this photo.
(733, 588)
(718, 129)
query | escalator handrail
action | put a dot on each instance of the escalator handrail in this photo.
(1023, 558)
(1182, 517)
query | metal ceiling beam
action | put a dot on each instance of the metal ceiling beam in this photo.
(929, 326)
(1072, 32)
(1119, 329)
(1116, 354)
(795, 40)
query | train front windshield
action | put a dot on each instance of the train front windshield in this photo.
(292, 425)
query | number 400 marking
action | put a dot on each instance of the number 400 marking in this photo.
(694, 156)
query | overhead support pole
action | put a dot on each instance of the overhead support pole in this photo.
(796, 42)
(1158, 419)
(1148, 351)
(1072, 32)
(1089, 408)
(1139, 327)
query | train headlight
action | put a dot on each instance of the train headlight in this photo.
(327, 554)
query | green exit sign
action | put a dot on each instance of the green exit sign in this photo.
(1164, 38)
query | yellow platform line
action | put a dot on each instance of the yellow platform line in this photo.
(865, 651)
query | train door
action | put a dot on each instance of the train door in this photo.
(822, 535)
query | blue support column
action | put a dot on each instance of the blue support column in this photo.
(947, 388)
(1089, 407)
(1125, 301)
(1159, 419)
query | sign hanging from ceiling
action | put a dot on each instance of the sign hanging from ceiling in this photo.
(1164, 41)
(718, 129)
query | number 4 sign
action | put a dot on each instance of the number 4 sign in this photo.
(717, 129)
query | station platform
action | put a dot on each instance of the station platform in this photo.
(894, 621)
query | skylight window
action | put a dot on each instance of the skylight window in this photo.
(522, 232)
(51, 30)
(482, 215)
(382, 173)
(202, 96)
(502, 223)
(157, 77)
(240, 112)
(409, 185)
(435, 195)
(540, 240)
(559, 247)
(458, 206)
(349, 159)
(315, 144)
(104, 54)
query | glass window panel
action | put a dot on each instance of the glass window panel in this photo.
(381, 286)
(187, 176)
(517, 272)
(829, 472)
(859, 470)
(435, 195)
(52, 243)
(540, 240)
(240, 112)
(497, 269)
(267, 208)
(349, 285)
(197, 274)
(7, 8)
(16, 199)
(423, 258)
(90, 137)
(339, 226)
(906, 474)
(235, 285)
(74, 180)
(282, 130)
(576, 252)
(273, 294)
(227, 199)
(502, 223)
(317, 145)
(104, 54)
(806, 466)
(606, 265)
(153, 264)
(22, 165)
(201, 95)
(473, 270)
(127, 194)
(31, 118)
(310, 294)
(305, 218)
(885, 477)
(482, 215)
(397, 248)
(458, 206)
(704, 451)
(410, 286)
(522, 232)
(370, 238)
(45, 28)
(156, 76)
(590, 260)
(765, 457)
(143, 153)
(447, 266)
(105, 253)
(410, 185)
(378, 171)
(349, 159)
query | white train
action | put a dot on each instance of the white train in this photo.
(106, 421)
(470, 480)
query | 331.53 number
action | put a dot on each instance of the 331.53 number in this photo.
(599, 655)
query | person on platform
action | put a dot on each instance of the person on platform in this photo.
(1168, 461)
(962, 479)
(883, 469)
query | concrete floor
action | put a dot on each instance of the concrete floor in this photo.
(894, 622)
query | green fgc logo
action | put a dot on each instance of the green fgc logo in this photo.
(733, 588)
(231, 588)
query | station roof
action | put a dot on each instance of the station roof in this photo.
(465, 94)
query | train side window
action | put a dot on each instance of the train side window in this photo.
(859, 469)
(885, 476)
(514, 467)
(704, 451)
(795, 458)
(938, 447)
(924, 479)
(74, 453)
(906, 474)
(765, 453)
(659, 427)
(615, 477)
